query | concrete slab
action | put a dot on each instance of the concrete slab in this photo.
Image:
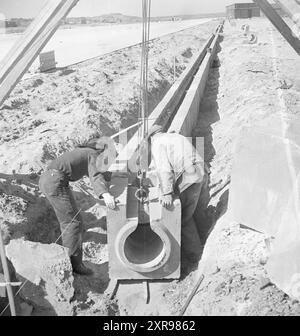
(263, 178)
(265, 194)
(283, 266)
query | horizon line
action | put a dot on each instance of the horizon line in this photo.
(163, 16)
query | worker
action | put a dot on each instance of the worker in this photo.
(180, 171)
(85, 160)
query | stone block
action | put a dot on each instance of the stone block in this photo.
(265, 195)
(46, 273)
(263, 180)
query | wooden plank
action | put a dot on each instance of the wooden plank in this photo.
(292, 8)
(31, 43)
(279, 23)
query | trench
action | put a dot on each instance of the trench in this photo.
(206, 215)
(144, 246)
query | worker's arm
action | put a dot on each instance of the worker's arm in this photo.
(99, 181)
(164, 172)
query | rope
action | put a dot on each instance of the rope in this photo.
(126, 130)
(143, 110)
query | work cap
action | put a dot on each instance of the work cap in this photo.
(94, 143)
(154, 130)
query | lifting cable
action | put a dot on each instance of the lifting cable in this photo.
(144, 106)
(144, 67)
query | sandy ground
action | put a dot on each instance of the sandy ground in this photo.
(240, 92)
(81, 43)
(46, 114)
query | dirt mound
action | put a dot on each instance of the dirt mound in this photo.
(46, 275)
(241, 93)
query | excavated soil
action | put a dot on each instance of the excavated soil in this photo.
(242, 92)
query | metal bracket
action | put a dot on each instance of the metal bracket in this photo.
(114, 286)
(14, 284)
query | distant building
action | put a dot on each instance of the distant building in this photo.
(9, 24)
(21, 22)
(242, 11)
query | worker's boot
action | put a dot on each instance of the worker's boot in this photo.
(78, 266)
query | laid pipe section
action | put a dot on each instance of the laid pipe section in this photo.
(186, 117)
(164, 110)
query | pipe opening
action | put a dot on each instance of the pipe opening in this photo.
(144, 246)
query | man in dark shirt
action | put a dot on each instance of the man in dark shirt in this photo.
(54, 183)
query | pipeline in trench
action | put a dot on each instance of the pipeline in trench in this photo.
(143, 246)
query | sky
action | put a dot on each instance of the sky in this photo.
(30, 8)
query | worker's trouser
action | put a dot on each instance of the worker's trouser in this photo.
(203, 223)
(55, 186)
(190, 241)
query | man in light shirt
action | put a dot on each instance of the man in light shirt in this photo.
(180, 170)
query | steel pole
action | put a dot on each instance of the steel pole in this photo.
(7, 277)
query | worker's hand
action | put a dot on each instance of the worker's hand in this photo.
(109, 200)
(166, 201)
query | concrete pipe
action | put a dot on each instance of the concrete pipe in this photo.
(252, 39)
(143, 248)
(246, 29)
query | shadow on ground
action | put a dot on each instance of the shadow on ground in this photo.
(205, 215)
